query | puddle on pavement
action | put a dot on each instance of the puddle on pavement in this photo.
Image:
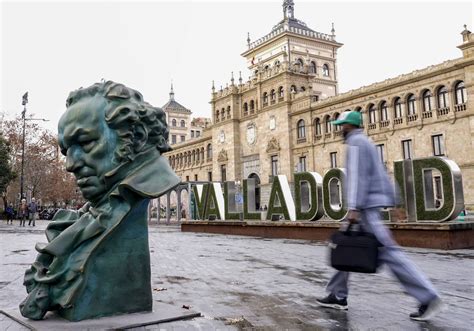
(177, 279)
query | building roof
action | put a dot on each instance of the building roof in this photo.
(174, 106)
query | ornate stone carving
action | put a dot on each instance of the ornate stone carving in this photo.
(222, 157)
(273, 145)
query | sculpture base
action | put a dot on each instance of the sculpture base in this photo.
(117, 278)
(162, 313)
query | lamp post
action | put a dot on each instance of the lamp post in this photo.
(23, 116)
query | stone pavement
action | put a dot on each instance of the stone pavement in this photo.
(246, 283)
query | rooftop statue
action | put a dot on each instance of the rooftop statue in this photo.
(96, 262)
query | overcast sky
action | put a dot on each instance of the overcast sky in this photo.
(51, 48)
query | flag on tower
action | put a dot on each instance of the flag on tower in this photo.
(25, 99)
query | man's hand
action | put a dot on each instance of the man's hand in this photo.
(353, 216)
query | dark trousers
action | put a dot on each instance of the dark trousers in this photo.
(22, 220)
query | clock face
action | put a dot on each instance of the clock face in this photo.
(221, 136)
(251, 134)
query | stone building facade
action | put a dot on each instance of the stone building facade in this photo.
(278, 122)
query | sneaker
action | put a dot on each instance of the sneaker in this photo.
(332, 302)
(425, 312)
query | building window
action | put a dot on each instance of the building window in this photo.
(265, 98)
(173, 122)
(381, 152)
(183, 138)
(223, 173)
(293, 89)
(411, 104)
(327, 124)
(192, 133)
(195, 177)
(217, 116)
(427, 100)
(300, 64)
(183, 123)
(272, 95)
(312, 67)
(438, 144)
(443, 100)
(333, 157)
(398, 107)
(209, 176)
(281, 93)
(317, 126)
(383, 111)
(337, 127)
(187, 178)
(173, 139)
(209, 151)
(461, 94)
(326, 70)
(302, 163)
(246, 109)
(407, 149)
(228, 112)
(358, 109)
(301, 129)
(198, 134)
(274, 164)
(252, 106)
(372, 114)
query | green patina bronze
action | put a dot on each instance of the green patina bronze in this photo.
(97, 262)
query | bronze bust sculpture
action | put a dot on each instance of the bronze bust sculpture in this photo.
(96, 262)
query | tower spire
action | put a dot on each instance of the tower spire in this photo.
(172, 91)
(288, 9)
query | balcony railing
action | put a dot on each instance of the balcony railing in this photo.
(412, 117)
(427, 114)
(443, 111)
(301, 140)
(327, 135)
(460, 107)
(398, 120)
(372, 126)
(384, 124)
(318, 137)
(338, 133)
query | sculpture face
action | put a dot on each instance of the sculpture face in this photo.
(88, 144)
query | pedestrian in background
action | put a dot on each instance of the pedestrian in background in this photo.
(10, 212)
(368, 188)
(23, 212)
(32, 211)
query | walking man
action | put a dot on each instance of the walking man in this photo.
(368, 188)
(10, 213)
(23, 212)
(32, 210)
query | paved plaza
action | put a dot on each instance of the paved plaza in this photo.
(246, 283)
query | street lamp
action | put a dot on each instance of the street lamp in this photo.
(23, 116)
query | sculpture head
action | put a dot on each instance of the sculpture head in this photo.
(105, 126)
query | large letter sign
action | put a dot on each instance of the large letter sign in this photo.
(430, 189)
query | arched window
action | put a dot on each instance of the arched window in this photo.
(228, 112)
(197, 155)
(372, 114)
(194, 156)
(335, 117)
(266, 67)
(460, 93)
(277, 63)
(217, 115)
(302, 89)
(383, 111)
(325, 70)
(252, 106)
(246, 109)
(293, 89)
(173, 122)
(397, 107)
(443, 101)
(317, 127)
(300, 64)
(265, 98)
(222, 114)
(301, 129)
(183, 123)
(202, 153)
(281, 92)
(272, 95)
(256, 72)
(427, 103)
(209, 151)
(327, 124)
(411, 104)
(312, 67)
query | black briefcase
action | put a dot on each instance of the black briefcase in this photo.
(354, 251)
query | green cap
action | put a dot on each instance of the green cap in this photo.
(349, 117)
